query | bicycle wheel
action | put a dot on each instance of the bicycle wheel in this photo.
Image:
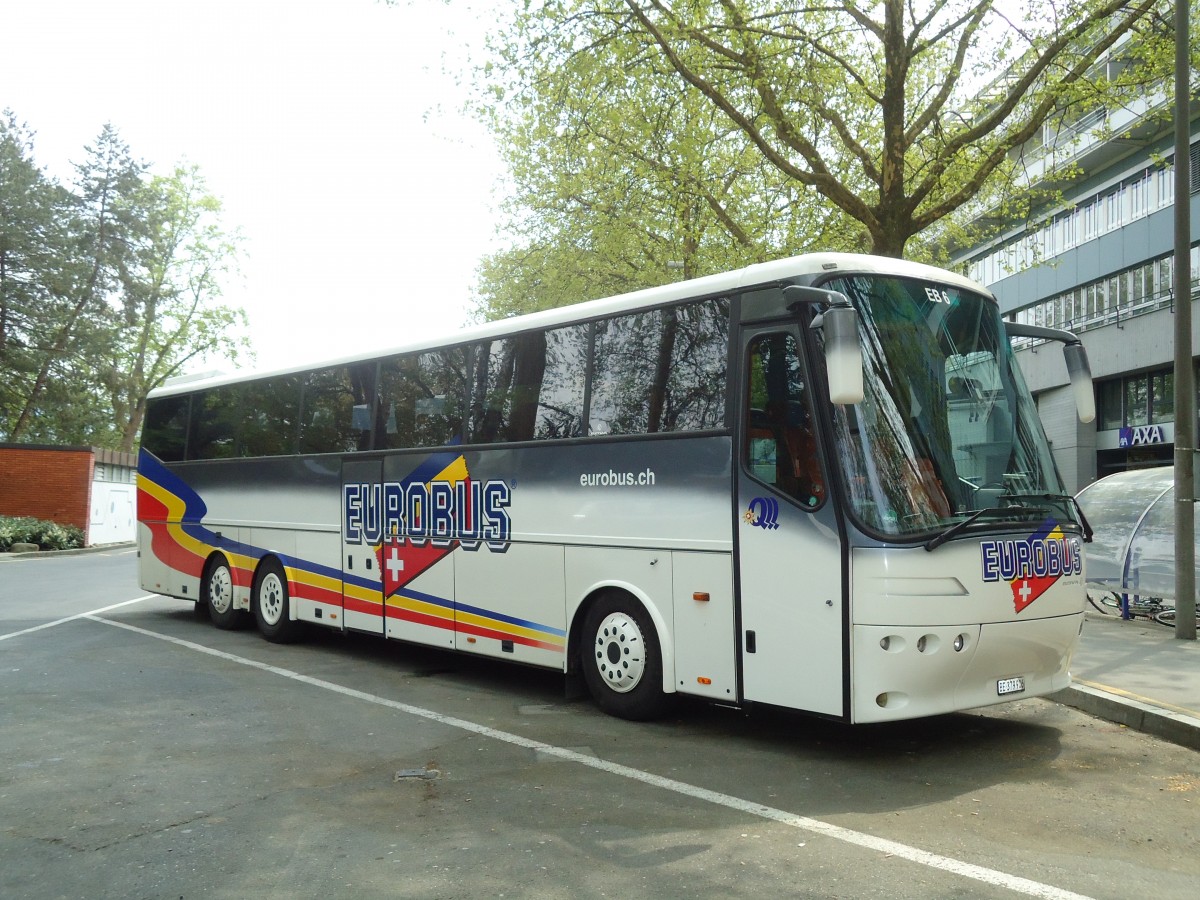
(1166, 616)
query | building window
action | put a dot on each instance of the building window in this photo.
(1109, 415)
(1144, 399)
(1136, 408)
(1162, 398)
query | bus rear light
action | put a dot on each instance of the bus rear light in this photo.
(701, 596)
(703, 680)
(893, 643)
(891, 700)
(959, 643)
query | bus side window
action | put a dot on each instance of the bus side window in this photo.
(421, 400)
(166, 430)
(780, 446)
(335, 409)
(560, 403)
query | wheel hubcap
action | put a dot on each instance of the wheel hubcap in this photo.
(620, 652)
(220, 590)
(270, 598)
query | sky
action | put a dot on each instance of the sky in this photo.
(332, 132)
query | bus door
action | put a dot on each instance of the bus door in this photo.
(418, 572)
(789, 556)
(362, 537)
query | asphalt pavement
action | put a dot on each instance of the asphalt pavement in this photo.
(1132, 672)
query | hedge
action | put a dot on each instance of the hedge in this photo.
(47, 535)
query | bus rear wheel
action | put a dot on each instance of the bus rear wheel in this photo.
(622, 662)
(272, 607)
(217, 593)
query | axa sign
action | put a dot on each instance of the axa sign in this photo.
(1138, 435)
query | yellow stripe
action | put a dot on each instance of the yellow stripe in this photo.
(453, 473)
(312, 579)
(356, 592)
(420, 606)
(1108, 689)
(509, 628)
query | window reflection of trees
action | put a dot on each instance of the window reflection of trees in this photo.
(166, 430)
(217, 424)
(421, 399)
(272, 416)
(661, 370)
(896, 447)
(335, 409)
(529, 386)
(560, 404)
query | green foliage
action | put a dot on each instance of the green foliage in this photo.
(713, 133)
(47, 535)
(107, 289)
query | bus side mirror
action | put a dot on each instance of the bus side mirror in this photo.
(1081, 381)
(843, 358)
(839, 322)
(1075, 355)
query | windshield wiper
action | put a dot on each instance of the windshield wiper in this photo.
(1061, 498)
(988, 512)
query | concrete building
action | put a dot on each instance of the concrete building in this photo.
(1101, 266)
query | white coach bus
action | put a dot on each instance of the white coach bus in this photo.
(818, 483)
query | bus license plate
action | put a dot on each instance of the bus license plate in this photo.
(1010, 685)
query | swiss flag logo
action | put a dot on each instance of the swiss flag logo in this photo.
(1028, 586)
(1026, 590)
(401, 561)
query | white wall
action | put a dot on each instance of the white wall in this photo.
(113, 520)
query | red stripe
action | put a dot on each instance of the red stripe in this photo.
(417, 618)
(408, 615)
(316, 594)
(352, 604)
(464, 628)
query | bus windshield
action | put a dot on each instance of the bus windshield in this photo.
(947, 426)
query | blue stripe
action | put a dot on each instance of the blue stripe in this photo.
(511, 620)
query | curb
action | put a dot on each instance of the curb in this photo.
(1174, 725)
(54, 554)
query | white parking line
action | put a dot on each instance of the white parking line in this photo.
(815, 826)
(84, 615)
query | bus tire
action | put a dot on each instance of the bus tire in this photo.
(272, 606)
(217, 592)
(622, 662)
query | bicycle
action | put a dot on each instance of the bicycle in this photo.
(1138, 606)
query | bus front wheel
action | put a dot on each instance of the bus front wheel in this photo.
(271, 605)
(622, 663)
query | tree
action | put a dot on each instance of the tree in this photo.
(167, 290)
(863, 125)
(623, 178)
(106, 291)
(33, 242)
(100, 229)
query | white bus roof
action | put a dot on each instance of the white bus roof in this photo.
(709, 285)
